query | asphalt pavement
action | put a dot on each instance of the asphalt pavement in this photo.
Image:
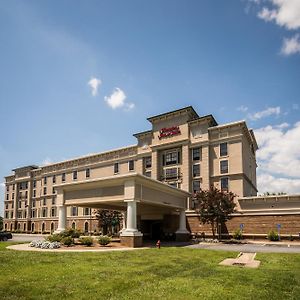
(263, 248)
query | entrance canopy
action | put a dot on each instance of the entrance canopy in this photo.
(113, 192)
(134, 193)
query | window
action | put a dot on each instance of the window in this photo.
(196, 154)
(6, 215)
(53, 190)
(116, 168)
(53, 212)
(13, 187)
(34, 193)
(148, 162)
(171, 158)
(7, 188)
(45, 191)
(20, 204)
(33, 213)
(13, 196)
(6, 206)
(131, 165)
(74, 211)
(33, 203)
(87, 173)
(223, 149)
(224, 183)
(196, 186)
(44, 201)
(75, 175)
(63, 177)
(196, 170)
(19, 214)
(26, 194)
(34, 184)
(7, 196)
(87, 211)
(45, 180)
(12, 215)
(54, 179)
(173, 184)
(44, 212)
(12, 205)
(53, 201)
(223, 166)
(148, 174)
(171, 173)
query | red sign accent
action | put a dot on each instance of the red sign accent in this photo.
(165, 132)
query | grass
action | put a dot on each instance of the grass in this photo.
(167, 273)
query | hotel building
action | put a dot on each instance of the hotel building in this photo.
(152, 182)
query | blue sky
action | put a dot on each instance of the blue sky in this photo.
(78, 77)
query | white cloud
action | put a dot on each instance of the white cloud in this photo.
(285, 13)
(242, 108)
(129, 106)
(279, 151)
(118, 99)
(265, 113)
(94, 83)
(269, 183)
(282, 126)
(291, 45)
(46, 161)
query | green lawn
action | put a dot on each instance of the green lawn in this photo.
(167, 273)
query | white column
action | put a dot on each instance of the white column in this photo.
(182, 223)
(61, 208)
(62, 220)
(131, 220)
(131, 216)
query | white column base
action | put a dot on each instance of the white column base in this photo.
(131, 232)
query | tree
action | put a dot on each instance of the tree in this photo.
(1, 223)
(214, 206)
(108, 219)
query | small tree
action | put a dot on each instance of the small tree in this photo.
(214, 206)
(1, 223)
(108, 219)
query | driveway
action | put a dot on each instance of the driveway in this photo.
(266, 248)
(17, 237)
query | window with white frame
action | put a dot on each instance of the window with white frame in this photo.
(196, 170)
(116, 168)
(196, 186)
(147, 162)
(224, 183)
(224, 166)
(223, 149)
(75, 174)
(74, 211)
(171, 158)
(196, 153)
(131, 165)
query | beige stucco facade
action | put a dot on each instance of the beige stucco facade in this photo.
(181, 149)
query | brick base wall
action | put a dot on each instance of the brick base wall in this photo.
(290, 224)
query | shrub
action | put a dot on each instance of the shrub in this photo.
(67, 241)
(87, 241)
(56, 237)
(273, 236)
(104, 240)
(74, 233)
(238, 235)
